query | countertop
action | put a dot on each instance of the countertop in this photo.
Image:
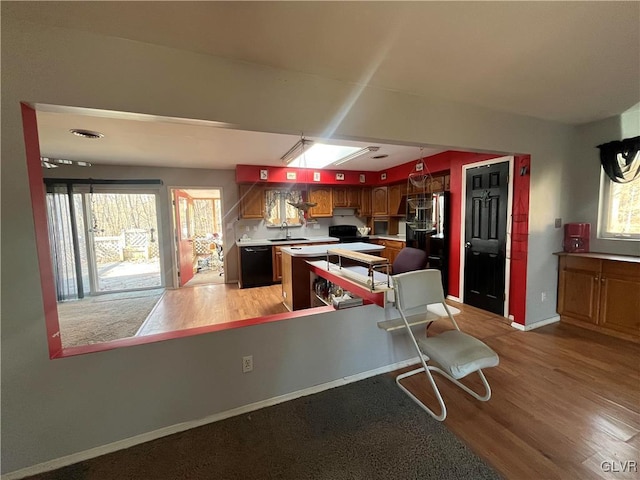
(399, 238)
(602, 256)
(260, 242)
(321, 250)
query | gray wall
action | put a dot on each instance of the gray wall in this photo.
(583, 181)
(53, 408)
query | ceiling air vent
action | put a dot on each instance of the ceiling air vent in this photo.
(86, 133)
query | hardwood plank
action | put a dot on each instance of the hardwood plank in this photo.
(564, 400)
(203, 305)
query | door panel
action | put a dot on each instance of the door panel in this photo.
(485, 237)
(184, 243)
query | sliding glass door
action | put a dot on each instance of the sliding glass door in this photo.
(103, 239)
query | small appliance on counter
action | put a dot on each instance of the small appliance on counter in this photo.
(576, 237)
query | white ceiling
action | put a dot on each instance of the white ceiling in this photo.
(570, 62)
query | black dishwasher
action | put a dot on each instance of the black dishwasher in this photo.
(256, 268)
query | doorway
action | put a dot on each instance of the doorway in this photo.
(199, 242)
(485, 256)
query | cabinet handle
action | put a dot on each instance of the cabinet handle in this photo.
(597, 278)
(603, 279)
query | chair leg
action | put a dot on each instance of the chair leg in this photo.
(428, 369)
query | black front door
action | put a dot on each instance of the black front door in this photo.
(485, 237)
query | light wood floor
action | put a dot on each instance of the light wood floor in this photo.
(203, 305)
(564, 400)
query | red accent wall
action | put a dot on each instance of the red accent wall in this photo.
(251, 174)
(38, 204)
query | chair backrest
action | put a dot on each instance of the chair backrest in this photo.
(418, 288)
(408, 260)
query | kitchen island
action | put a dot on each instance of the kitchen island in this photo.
(296, 288)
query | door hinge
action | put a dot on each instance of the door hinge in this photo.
(173, 202)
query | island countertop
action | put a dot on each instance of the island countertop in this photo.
(321, 250)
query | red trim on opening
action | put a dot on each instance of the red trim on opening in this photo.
(38, 205)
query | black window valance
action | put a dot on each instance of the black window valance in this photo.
(621, 159)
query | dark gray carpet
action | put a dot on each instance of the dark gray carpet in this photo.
(364, 430)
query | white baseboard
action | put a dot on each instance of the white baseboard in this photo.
(454, 299)
(533, 326)
(181, 427)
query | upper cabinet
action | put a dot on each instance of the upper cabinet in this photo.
(395, 194)
(348, 197)
(379, 204)
(251, 201)
(365, 202)
(339, 197)
(322, 195)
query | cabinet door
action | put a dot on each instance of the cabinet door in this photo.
(395, 193)
(323, 197)
(339, 197)
(379, 201)
(251, 201)
(437, 184)
(353, 197)
(579, 288)
(620, 297)
(277, 264)
(365, 202)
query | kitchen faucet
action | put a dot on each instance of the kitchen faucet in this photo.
(285, 225)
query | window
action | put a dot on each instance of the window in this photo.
(279, 208)
(620, 209)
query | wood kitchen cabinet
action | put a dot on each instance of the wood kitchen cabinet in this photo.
(323, 196)
(339, 195)
(365, 202)
(277, 256)
(348, 197)
(353, 197)
(391, 248)
(437, 184)
(600, 292)
(251, 201)
(394, 195)
(379, 205)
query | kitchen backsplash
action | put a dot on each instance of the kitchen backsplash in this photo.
(257, 229)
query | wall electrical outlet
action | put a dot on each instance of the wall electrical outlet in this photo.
(558, 223)
(247, 364)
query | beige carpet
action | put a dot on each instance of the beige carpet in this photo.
(105, 317)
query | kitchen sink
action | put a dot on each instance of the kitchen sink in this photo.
(287, 239)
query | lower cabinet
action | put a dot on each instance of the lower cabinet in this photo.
(600, 292)
(277, 257)
(391, 248)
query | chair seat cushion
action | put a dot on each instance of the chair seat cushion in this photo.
(457, 353)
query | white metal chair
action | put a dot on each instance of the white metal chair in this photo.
(455, 353)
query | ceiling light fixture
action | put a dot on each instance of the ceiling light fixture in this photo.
(90, 134)
(47, 162)
(295, 151)
(356, 155)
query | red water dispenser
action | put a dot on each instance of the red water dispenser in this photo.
(576, 237)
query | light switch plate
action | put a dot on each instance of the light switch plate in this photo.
(558, 223)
